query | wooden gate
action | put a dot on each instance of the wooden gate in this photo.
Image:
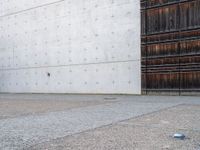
(170, 46)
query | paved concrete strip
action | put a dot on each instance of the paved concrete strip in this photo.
(17, 108)
(18, 133)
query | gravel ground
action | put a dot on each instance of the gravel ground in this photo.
(93, 121)
(149, 132)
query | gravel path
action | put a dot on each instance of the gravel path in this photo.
(23, 132)
(149, 132)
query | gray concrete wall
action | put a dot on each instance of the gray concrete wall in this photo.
(86, 46)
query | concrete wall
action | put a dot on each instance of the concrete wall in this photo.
(70, 46)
